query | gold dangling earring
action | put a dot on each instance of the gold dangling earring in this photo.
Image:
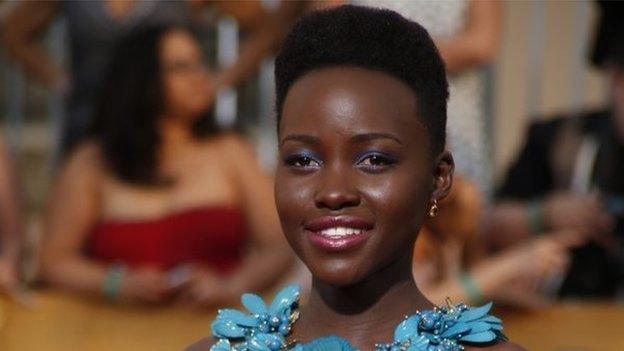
(434, 209)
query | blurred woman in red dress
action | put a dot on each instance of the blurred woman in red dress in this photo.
(159, 203)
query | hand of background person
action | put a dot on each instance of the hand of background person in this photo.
(521, 294)
(584, 213)
(539, 257)
(207, 289)
(146, 285)
(527, 270)
(514, 276)
(8, 275)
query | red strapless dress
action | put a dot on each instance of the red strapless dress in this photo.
(212, 236)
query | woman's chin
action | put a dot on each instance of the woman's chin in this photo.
(336, 272)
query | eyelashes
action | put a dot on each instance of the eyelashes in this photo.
(375, 160)
(372, 161)
(303, 161)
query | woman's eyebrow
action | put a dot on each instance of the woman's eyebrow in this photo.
(304, 138)
(372, 136)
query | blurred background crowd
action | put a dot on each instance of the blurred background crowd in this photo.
(139, 141)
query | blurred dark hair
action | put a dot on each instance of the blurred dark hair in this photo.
(129, 104)
(608, 48)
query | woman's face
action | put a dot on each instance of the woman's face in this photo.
(355, 175)
(186, 80)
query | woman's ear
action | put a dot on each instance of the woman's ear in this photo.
(443, 169)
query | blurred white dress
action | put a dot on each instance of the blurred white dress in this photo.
(467, 134)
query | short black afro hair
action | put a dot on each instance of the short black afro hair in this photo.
(373, 38)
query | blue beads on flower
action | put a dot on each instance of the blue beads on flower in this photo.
(428, 320)
(262, 330)
(284, 329)
(275, 322)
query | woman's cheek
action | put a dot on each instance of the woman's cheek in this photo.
(289, 198)
(396, 197)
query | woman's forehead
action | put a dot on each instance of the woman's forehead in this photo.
(351, 98)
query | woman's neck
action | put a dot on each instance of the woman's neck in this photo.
(175, 139)
(364, 313)
(173, 131)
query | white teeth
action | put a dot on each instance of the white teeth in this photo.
(340, 231)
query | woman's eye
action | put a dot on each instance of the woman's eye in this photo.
(300, 161)
(375, 161)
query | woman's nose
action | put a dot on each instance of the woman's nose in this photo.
(336, 191)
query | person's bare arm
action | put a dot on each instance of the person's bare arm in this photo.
(269, 255)
(11, 226)
(513, 275)
(507, 223)
(510, 222)
(19, 33)
(266, 30)
(478, 43)
(71, 213)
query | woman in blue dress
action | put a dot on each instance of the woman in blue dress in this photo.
(361, 105)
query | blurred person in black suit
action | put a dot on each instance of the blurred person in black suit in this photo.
(570, 177)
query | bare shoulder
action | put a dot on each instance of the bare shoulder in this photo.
(84, 162)
(86, 154)
(201, 345)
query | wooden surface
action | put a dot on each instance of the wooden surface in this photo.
(569, 326)
(62, 322)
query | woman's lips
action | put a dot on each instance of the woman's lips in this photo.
(338, 233)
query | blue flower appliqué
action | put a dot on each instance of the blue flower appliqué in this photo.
(445, 329)
(265, 328)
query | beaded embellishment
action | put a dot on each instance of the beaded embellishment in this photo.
(265, 328)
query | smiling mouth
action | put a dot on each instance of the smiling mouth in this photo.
(338, 233)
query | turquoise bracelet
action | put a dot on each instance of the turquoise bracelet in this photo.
(112, 282)
(470, 287)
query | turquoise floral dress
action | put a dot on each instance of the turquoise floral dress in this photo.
(266, 326)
